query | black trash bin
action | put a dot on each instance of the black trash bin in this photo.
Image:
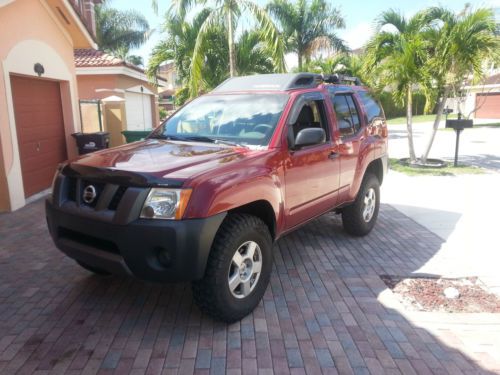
(90, 142)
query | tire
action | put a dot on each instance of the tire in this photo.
(213, 294)
(96, 270)
(359, 218)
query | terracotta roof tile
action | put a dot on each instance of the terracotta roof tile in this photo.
(85, 58)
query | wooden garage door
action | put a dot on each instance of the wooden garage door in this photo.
(40, 130)
(489, 105)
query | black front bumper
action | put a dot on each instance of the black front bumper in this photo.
(134, 248)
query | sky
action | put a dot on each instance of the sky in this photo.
(358, 15)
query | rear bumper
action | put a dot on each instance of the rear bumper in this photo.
(134, 248)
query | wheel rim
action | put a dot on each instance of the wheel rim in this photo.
(370, 202)
(245, 269)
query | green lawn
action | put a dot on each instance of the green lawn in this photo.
(450, 170)
(416, 119)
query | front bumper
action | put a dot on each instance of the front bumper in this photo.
(134, 248)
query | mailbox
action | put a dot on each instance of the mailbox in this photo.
(459, 124)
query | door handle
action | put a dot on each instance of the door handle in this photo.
(38, 146)
(333, 155)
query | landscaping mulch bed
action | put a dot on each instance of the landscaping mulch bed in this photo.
(427, 294)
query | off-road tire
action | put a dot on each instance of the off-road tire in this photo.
(352, 215)
(96, 270)
(212, 293)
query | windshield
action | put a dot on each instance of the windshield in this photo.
(241, 119)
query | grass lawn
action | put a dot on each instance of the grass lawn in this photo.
(450, 170)
(416, 119)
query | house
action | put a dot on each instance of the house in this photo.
(114, 95)
(167, 93)
(38, 91)
(480, 101)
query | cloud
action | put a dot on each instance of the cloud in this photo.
(358, 35)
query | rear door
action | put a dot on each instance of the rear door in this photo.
(351, 136)
(312, 172)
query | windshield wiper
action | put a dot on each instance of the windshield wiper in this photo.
(196, 138)
(167, 137)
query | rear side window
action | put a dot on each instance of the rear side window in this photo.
(372, 108)
(346, 113)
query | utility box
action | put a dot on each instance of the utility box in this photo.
(90, 142)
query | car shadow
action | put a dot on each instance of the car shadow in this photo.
(320, 313)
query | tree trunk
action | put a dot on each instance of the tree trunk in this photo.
(409, 127)
(439, 113)
(230, 40)
(299, 60)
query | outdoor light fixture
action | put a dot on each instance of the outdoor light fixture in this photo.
(39, 69)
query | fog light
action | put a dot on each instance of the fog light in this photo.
(164, 257)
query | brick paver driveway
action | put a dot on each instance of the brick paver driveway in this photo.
(320, 314)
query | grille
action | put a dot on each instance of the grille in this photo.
(74, 194)
(72, 188)
(113, 205)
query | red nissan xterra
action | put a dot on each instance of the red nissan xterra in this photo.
(204, 197)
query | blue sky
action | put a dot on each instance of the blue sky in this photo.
(358, 14)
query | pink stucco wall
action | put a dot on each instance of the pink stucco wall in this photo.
(30, 21)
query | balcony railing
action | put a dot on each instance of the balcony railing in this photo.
(85, 10)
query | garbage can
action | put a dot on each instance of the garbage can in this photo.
(90, 142)
(135, 135)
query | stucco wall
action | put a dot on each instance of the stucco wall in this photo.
(97, 86)
(31, 34)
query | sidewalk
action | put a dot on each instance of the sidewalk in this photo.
(463, 211)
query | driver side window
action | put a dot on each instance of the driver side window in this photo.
(311, 115)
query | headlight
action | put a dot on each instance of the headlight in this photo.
(165, 204)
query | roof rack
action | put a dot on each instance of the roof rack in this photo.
(338, 79)
(281, 82)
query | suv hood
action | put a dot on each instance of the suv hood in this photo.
(162, 158)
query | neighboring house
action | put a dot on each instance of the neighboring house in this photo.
(480, 101)
(167, 93)
(38, 91)
(128, 101)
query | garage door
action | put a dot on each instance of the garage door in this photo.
(138, 109)
(488, 105)
(40, 130)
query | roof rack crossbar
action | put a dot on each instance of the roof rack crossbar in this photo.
(338, 78)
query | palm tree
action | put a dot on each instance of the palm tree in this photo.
(308, 26)
(227, 12)
(397, 54)
(462, 43)
(178, 46)
(117, 32)
(252, 56)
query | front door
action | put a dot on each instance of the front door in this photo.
(312, 172)
(40, 130)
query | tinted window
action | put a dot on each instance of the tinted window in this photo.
(245, 119)
(356, 124)
(372, 108)
(311, 115)
(343, 115)
(346, 114)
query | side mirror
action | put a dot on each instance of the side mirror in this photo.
(309, 137)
